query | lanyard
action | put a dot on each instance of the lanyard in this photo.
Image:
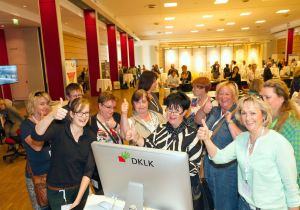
(221, 117)
(273, 124)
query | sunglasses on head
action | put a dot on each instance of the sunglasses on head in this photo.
(39, 93)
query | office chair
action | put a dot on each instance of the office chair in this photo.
(16, 146)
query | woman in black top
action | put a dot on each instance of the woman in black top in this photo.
(235, 76)
(72, 163)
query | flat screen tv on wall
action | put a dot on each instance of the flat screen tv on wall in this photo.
(8, 74)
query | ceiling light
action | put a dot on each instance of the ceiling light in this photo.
(220, 29)
(245, 28)
(200, 25)
(282, 11)
(2, 26)
(170, 4)
(207, 16)
(221, 1)
(24, 6)
(230, 23)
(194, 31)
(169, 26)
(245, 13)
(260, 21)
(168, 32)
(169, 18)
(15, 21)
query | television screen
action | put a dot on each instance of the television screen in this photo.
(8, 74)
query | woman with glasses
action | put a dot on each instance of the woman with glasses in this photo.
(72, 163)
(106, 125)
(267, 175)
(286, 116)
(222, 179)
(144, 120)
(38, 153)
(148, 82)
(176, 135)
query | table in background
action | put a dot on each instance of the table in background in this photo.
(127, 78)
(103, 84)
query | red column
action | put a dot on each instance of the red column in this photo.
(124, 52)
(112, 51)
(289, 45)
(90, 18)
(5, 91)
(131, 51)
(54, 56)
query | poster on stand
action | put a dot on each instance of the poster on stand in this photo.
(70, 69)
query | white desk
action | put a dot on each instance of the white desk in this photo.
(127, 78)
(93, 203)
(104, 84)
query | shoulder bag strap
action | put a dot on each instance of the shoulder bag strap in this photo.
(111, 136)
(220, 124)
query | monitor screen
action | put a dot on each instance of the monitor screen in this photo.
(8, 74)
(163, 174)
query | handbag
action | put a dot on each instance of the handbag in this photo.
(206, 201)
(40, 186)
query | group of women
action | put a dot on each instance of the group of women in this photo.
(252, 159)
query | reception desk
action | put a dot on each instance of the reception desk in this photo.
(103, 84)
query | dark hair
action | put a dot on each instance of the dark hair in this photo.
(146, 80)
(77, 105)
(178, 99)
(71, 87)
(106, 96)
(203, 82)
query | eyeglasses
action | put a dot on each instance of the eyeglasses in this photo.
(81, 114)
(39, 93)
(174, 112)
(108, 107)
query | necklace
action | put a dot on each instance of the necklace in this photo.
(252, 144)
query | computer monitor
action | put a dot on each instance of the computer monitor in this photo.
(162, 175)
(8, 74)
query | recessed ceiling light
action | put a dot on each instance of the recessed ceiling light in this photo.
(282, 11)
(169, 26)
(200, 25)
(170, 4)
(245, 28)
(260, 21)
(194, 31)
(221, 1)
(207, 16)
(24, 6)
(168, 32)
(230, 23)
(2, 26)
(220, 29)
(169, 18)
(245, 13)
(15, 21)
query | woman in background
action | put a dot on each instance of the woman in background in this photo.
(286, 116)
(38, 153)
(236, 77)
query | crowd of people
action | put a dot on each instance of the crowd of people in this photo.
(249, 146)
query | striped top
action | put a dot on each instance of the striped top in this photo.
(181, 139)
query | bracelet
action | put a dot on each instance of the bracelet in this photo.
(230, 122)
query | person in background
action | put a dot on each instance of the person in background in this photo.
(226, 71)
(236, 77)
(267, 72)
(221, 121)
(155, 69)
(243, 70)
(173, 81)
(38, 153)
(148, 82)
(73, 91)
(295, 84)
(267, 175)
(255, 86)
(186, 78)
(252, 73)
(215, 70)
(72, 163)
(173, 69)
(286, 115)
(176, 135)
(144, 120)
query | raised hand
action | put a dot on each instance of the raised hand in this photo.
(207, 106)
(59, 113)
(203, 132)
(124, 107)
(228, 116)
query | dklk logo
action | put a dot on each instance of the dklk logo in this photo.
(123, 157)
(135, 161)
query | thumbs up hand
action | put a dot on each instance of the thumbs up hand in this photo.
(203, 132)
(124, 107)
(59, 113)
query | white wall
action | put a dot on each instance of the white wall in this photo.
(24, 51)
(146, 53)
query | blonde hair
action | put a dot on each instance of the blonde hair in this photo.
(232, 86)
(33, 99)
(256, 101)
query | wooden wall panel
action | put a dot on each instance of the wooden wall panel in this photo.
(296, 45)
(281, 45)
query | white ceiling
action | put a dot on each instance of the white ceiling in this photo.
(149, 24)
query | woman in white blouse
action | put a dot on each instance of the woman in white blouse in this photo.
(267, 174)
